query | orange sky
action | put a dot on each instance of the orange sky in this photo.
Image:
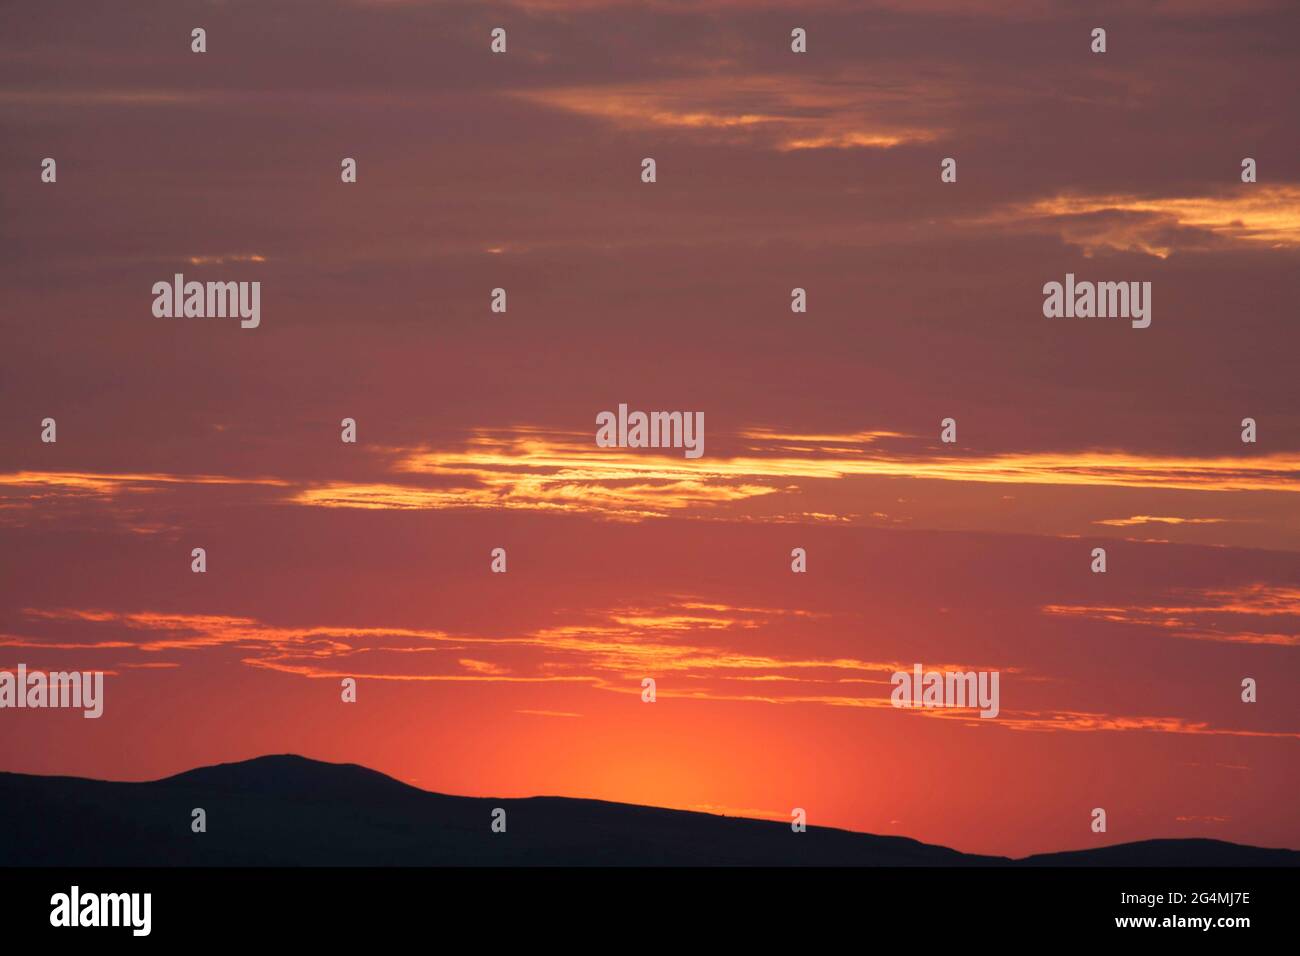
(476, 429)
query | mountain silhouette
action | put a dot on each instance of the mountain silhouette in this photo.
(291, 811)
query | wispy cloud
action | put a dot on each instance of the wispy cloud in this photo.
(774, 112)
(611, 650)
(1155, 519)
(768, 475)
(1267, 215)
(542, 472)
(1242, 615)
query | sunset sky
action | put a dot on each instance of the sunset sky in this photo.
(775, 170)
